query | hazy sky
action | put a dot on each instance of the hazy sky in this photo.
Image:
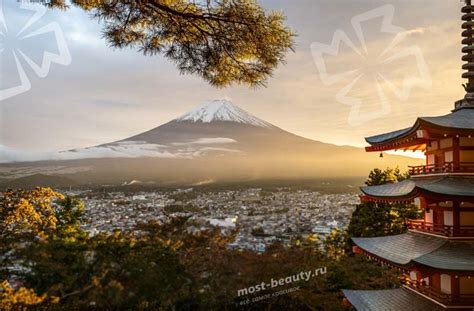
(104, 94)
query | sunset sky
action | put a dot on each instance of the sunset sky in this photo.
(106, 94)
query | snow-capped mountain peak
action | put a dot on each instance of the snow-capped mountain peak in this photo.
(222, 110)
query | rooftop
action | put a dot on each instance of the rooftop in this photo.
(411, 188)
(459, 121)
(409, 248)
(389, 299)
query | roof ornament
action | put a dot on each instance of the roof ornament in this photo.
(468, 57)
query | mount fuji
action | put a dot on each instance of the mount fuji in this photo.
(213, 129)
(222, 110)
(216, 141)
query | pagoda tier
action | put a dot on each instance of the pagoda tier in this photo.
(439, 269)
(448, 143)
(447, 203)
(389, 299)
(457, 124)
(411, 249)
(443, 188)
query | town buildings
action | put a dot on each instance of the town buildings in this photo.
(261, 217)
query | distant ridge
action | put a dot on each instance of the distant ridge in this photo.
(38, 180)
(216, 141)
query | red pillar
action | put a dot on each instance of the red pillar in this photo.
(456, 217)
(456, 154)
(455, 287)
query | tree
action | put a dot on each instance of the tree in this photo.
(161, 266)
(29, 219)
(51, 260)
(27, 213)
(378, 219)
(223, 41)
(24, 217)
(20, 299)
(335, 244)
(389, 175)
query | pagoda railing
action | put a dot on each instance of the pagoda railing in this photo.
(438, 295)
(439, 229)
(448, 167)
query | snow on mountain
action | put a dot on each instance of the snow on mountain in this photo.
(222, 110)
(207, 141)
(172, 140)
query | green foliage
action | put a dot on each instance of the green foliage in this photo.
(338, 278)
(378, 219)
(69, 213)
(224, 42)
(175, 208)
(389, 175)
(163, 268)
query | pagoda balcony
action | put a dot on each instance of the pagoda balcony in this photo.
(446, 168)
(438, 295)
(439, 229)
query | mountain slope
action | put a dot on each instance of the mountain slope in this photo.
(38, 180)
(216, 141)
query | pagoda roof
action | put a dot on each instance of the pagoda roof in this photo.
(462, 119)
(459, 120)
(431, 251)
(462, 251)
(381, 138)
(400, 249)
(403, 189)
(411, 188)
(389, 299)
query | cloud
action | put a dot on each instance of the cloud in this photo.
(109, 103)
(419, 30)
(8, 155)
(127, 149)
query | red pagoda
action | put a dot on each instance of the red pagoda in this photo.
(436, 255)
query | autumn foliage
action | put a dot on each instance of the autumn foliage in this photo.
(49, 262)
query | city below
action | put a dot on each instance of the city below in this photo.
(261, 217)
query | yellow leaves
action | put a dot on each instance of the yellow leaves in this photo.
(177, 245)
(11, 299)
(312, 238)
(169, 243)
(54, 299)
(115, 285)
(95, 281)
(335, 243)
(29, 211)
(88, 4)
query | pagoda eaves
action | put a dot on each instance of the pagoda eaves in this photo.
(458, 123)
